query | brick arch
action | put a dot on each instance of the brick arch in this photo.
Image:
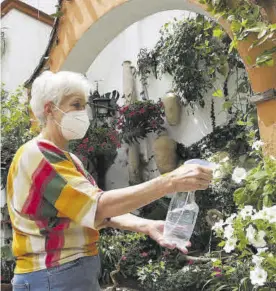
(87, 26)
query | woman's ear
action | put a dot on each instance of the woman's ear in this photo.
(48, 110)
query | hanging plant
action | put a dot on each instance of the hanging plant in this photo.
(98, 150)
(102, 140)
(140, 118)
(190, 51)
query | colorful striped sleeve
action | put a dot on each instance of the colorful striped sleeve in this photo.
(58, 186)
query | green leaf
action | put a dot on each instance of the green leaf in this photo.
(217, 32)
(218, 93)
(221, 244)
(227, 105)
(262, 33)
(249, 60)
(236, 26)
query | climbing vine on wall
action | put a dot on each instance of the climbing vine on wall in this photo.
(246, 17)
(195, 52)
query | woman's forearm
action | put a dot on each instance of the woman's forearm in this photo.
(129, 222)
(121, 201)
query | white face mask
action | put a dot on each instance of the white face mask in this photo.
(74, 124)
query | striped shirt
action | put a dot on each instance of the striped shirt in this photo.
(52, 203)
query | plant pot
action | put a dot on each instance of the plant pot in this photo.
(134, 164)
(172, 108)
(164, 149)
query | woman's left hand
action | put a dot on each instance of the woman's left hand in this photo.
(155, 230)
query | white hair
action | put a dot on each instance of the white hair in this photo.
(52, 87)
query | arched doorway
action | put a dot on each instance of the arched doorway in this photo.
(86, 27)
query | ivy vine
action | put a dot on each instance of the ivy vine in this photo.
(246, 17)
(195, 52)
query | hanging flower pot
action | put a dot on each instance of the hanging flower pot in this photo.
(164, 149)
(172, 108)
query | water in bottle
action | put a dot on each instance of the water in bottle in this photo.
(182, 214)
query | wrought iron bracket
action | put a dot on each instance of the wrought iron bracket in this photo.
(264, 96)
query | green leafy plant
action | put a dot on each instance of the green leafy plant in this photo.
(192, 52)
(246, 17)
(15, 127)
(139, 119)
(259, 188)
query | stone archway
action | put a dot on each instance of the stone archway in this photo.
(87, 26)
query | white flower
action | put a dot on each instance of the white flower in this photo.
(228, 231)
(218, 173)
(257, 145)
(250, 233)
(267, 213)
(257, 260)
(230, 219)
(259, 242)
(254, 238)
(218, 226)
(246, 211)
(185, 269)
(226, 159)
(230, 245)
(258, 276)
(239, 174)
(261, 250)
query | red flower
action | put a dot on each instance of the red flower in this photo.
(144, 254)
(154, 123)
(118, 145)
(218, 272)
(132, 113)
(142, 110)
(91, 149)
(85, 140)
(190, 262)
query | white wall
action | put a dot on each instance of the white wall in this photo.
(47, 6)
(26, 41)
(108, 67)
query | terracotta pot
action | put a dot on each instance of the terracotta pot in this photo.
(172, 108)
(164, 149)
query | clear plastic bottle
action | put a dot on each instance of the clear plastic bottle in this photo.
(182, 213)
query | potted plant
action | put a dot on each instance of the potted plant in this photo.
(98, 150)
(140, 118)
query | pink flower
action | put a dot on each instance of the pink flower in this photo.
(124, 258)
(218, 272)
(154, 124)
(142, 110)
(132, 113)
(144, 254)
(118, 145)
(85, 140)
(91, 149)
(191, 262)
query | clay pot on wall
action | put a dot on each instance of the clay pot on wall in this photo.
(172, 108)
(164, 149)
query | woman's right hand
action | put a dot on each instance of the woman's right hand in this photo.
(190, 178)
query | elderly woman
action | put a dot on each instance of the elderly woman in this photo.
(55, 206)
